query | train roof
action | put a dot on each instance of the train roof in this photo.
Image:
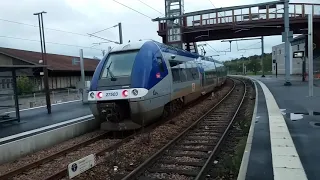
(164, 48)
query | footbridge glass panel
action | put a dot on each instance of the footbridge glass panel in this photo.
(247, 13)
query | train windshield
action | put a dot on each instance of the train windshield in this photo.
(119, 64)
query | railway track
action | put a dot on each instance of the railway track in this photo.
(61, 171)
(48, 159)
(188, 155)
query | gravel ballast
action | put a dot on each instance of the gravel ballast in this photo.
(227, 163)
(128, 156)
(4, 168)
(133, 153)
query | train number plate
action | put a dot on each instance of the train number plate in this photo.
(108, 94)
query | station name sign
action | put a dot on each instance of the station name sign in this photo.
(298, 54)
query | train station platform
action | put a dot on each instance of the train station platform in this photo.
(35, 118)
(283, 142)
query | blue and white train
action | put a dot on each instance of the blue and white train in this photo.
(135, 84)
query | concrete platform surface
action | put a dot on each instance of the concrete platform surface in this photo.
(302, 115)
(285, 140)
(260, 158)
(38, 117)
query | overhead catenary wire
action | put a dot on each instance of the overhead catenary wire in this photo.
(9, 37)
(36, 26)
(105, 29)
(246, 48)
(133, 9)
(151, 7)
(218, 12)
(52, 29)
(152, 18)
(211, 47)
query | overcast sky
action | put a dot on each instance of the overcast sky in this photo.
(88, 16)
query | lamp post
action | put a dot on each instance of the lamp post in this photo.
(44, 58)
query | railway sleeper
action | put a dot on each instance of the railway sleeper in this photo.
(218, 120)
(204, 137)
(221, 120)
(185, 163)
(149, 178)
(194, 148)
(205, 131)
(213, 128)
(217, 113)
(192, 173)
(197, 138)
(197, 143)
(201, 143)
(203, 134)
(161, 176)
(213, 124)
(177, 154)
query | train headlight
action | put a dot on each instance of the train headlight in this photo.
(135, 92)
(99, 95)
(125, 93)
(92, 95)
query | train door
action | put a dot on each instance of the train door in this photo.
(217, 74)
(202, 76)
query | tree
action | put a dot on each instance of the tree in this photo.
(24, 85)
(253, 64)
(267, 62)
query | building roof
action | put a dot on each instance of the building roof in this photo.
(15, 67)
(55, 62)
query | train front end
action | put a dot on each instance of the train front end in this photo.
(111, 92)
(119, 87)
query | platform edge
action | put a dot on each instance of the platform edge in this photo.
(41, 129)
(280, 152)
(19, 148)
(246, 154)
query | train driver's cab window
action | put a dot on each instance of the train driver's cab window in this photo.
(119, 64)
(160, 64)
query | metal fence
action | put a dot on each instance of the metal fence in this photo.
(37, 99)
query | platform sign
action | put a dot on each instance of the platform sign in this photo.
(298, 54)
(81, 165)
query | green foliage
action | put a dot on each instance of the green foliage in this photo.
(253, 64)
(232, 162)
(24, 85)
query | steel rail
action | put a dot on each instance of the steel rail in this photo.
(140, 169)
(224, 134)
(64, 172)
(51, 157)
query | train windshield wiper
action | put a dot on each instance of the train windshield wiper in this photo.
(111, 74)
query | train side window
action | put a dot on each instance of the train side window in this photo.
(175, 75)
(189, 74)
(183, 76)
(3, 83)
(196, 74)
(160, 64)
(8, 83)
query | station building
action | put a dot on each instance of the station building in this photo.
(64, 71)
(296, 64)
